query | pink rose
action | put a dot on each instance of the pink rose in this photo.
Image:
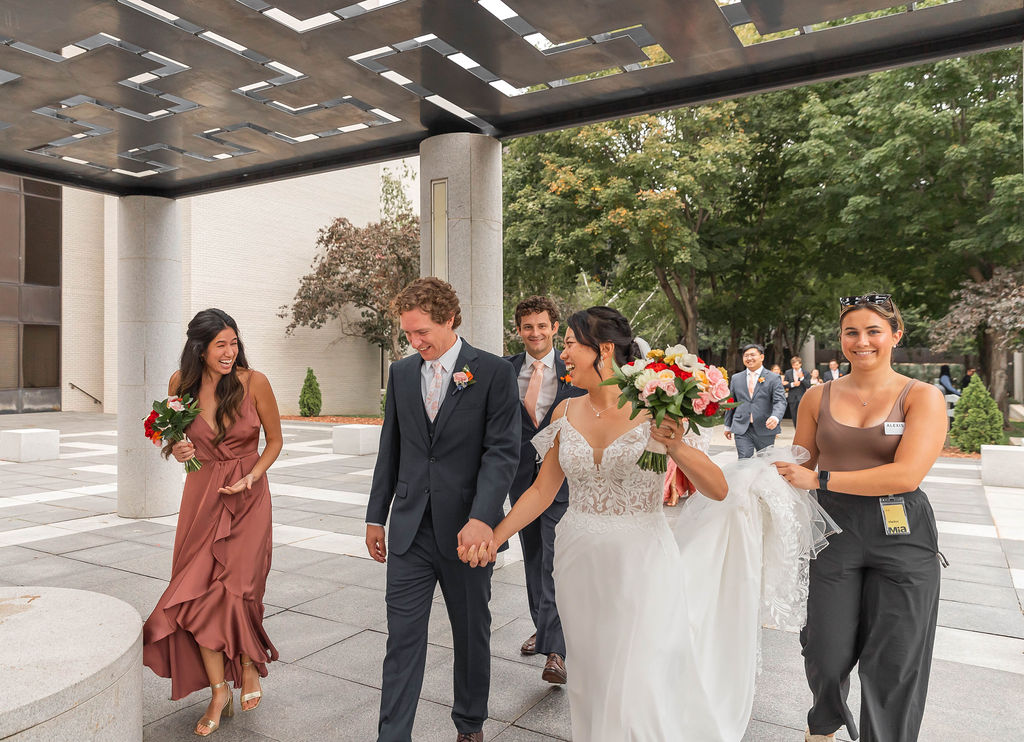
(700, 404)
(720, 389)
(714, 374)
(649, 388)
(669, 387)
(175, 404)
(460, 377)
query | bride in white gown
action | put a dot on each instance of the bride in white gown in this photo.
(662, 628)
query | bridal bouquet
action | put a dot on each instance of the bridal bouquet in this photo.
(167, 422)
(674, 383)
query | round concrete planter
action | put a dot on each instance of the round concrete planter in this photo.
(70, 667)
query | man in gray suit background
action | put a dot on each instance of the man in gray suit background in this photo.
(761, 404)
(449, 447)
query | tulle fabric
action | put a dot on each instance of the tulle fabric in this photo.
(662, 624)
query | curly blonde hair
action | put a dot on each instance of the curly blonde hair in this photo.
(431, 295)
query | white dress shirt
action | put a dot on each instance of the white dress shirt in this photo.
(448, 361)
(549, 384)
(832, 374)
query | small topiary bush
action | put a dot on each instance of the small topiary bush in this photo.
(310, 400)
(978, 421)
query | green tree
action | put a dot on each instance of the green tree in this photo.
(978, 421)
(310, 400)
(361, 269)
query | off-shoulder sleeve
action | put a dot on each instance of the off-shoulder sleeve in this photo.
(545, 439)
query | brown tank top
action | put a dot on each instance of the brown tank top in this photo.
(849, 448)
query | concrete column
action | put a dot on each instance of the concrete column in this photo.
(1018, 376)
(149, 342)
(460, 228)
(807, 353)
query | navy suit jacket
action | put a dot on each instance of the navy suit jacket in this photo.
(797, 389)
(464, 470)
(769, 399)
(528, 464)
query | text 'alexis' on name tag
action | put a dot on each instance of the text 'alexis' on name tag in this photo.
(894, 428)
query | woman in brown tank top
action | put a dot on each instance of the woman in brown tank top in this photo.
(874, 593)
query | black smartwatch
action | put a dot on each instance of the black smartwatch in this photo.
(823, 480)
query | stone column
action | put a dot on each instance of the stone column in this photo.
(149, 342)
(460, 228)
(807, 353)
(1018, 376)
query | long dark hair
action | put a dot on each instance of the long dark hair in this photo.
(203, 328)
(598, 325)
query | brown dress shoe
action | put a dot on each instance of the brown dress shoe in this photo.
(529, 646)
(470, 737)
(554, 670)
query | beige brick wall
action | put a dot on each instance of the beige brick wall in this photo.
(82, 295)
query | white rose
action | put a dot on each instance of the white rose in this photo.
(688, 362)
(632, 369)
(645, 376)
(666, 375)
(676, 350)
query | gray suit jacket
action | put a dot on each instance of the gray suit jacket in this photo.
(769, 400)
(464, 470)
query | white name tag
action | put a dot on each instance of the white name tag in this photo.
(894, 428)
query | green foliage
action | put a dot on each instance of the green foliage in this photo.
(310, 400)
(978, 421)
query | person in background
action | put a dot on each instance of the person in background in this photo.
(815, 377)
(797, 382)
(967, 378)
(833, 372)
(762, 402)
(946, 381)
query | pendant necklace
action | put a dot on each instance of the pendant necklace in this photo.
(597, 412)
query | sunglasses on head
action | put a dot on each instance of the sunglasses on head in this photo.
(878, 299)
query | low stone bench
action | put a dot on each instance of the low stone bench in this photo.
(70, 666)
(1002, 466)
(355, 439)
(29, 444)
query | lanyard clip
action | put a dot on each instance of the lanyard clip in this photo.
(942, 559)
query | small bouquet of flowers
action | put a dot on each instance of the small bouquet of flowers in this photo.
(167, 422)
(674, 383)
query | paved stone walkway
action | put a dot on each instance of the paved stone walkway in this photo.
(325, 600)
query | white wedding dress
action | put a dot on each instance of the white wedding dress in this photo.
(662, 628)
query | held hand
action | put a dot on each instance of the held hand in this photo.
(479, 555)
(670, 432)
(183, 451)
(375, 543)
(798, 476)
(772, 423)
(245, 483)
(728, 435)
(475, 532)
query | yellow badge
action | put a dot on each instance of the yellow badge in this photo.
(894, 516)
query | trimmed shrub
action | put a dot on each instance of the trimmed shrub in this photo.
(310, 400)
(977, 421)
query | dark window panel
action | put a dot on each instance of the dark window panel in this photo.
(42, 241)
(41, 188)
(40, 356)
(9, 302)
(8, 355)
(10, 237)
(40, 305)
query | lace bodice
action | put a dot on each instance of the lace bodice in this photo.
(617, 486)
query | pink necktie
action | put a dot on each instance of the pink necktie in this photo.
(533, 391)
(433, 402)
(751, 384)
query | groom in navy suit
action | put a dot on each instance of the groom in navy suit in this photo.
(761, 404)
(543, 383)
(449, 447)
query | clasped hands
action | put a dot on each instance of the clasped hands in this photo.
(670, 433)
(477, 545)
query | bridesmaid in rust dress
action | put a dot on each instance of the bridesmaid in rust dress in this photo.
(207, 628)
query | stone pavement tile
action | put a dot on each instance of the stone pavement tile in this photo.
(517, 734)
(47, 514)
(117, 552)
(509, 600)
(986, 619)
(291, 559)
(138, 591)
(311, 506)
(178, 726)
(348, 570)
(973, 557)
(157, 703)
(297, 635)
(334, 523)
(978, 594)
(762, 731)
(352, 605)
(360, 658)
(980, 519)
(288, 590)
(138, 530)
(9, 490)
(70, 543)
(352, 511)
(43, 570)
(972, 703)
(13, 524)
(998, 576)
(289, 516)
(515, 688)
(512, 574)
(549, 717)
(506, 641)
(974, 543)
(94, 503)
(16, 554)
(440, 631)
(158, 566)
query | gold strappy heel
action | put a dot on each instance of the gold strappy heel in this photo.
(228, 710)
(257, 694)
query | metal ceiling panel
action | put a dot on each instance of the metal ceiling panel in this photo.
(176, 97)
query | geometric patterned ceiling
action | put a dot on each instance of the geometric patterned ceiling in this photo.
(176, 97)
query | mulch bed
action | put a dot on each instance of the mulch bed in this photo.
(336, 419)
(956, 453)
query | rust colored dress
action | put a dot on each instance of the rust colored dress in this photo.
(222, 550)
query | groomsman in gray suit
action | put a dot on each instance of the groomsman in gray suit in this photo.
(762, 403)
(449, 447)
(543, 383)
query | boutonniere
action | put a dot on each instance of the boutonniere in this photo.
(463, 378)
(567, 379)
(760, 379)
